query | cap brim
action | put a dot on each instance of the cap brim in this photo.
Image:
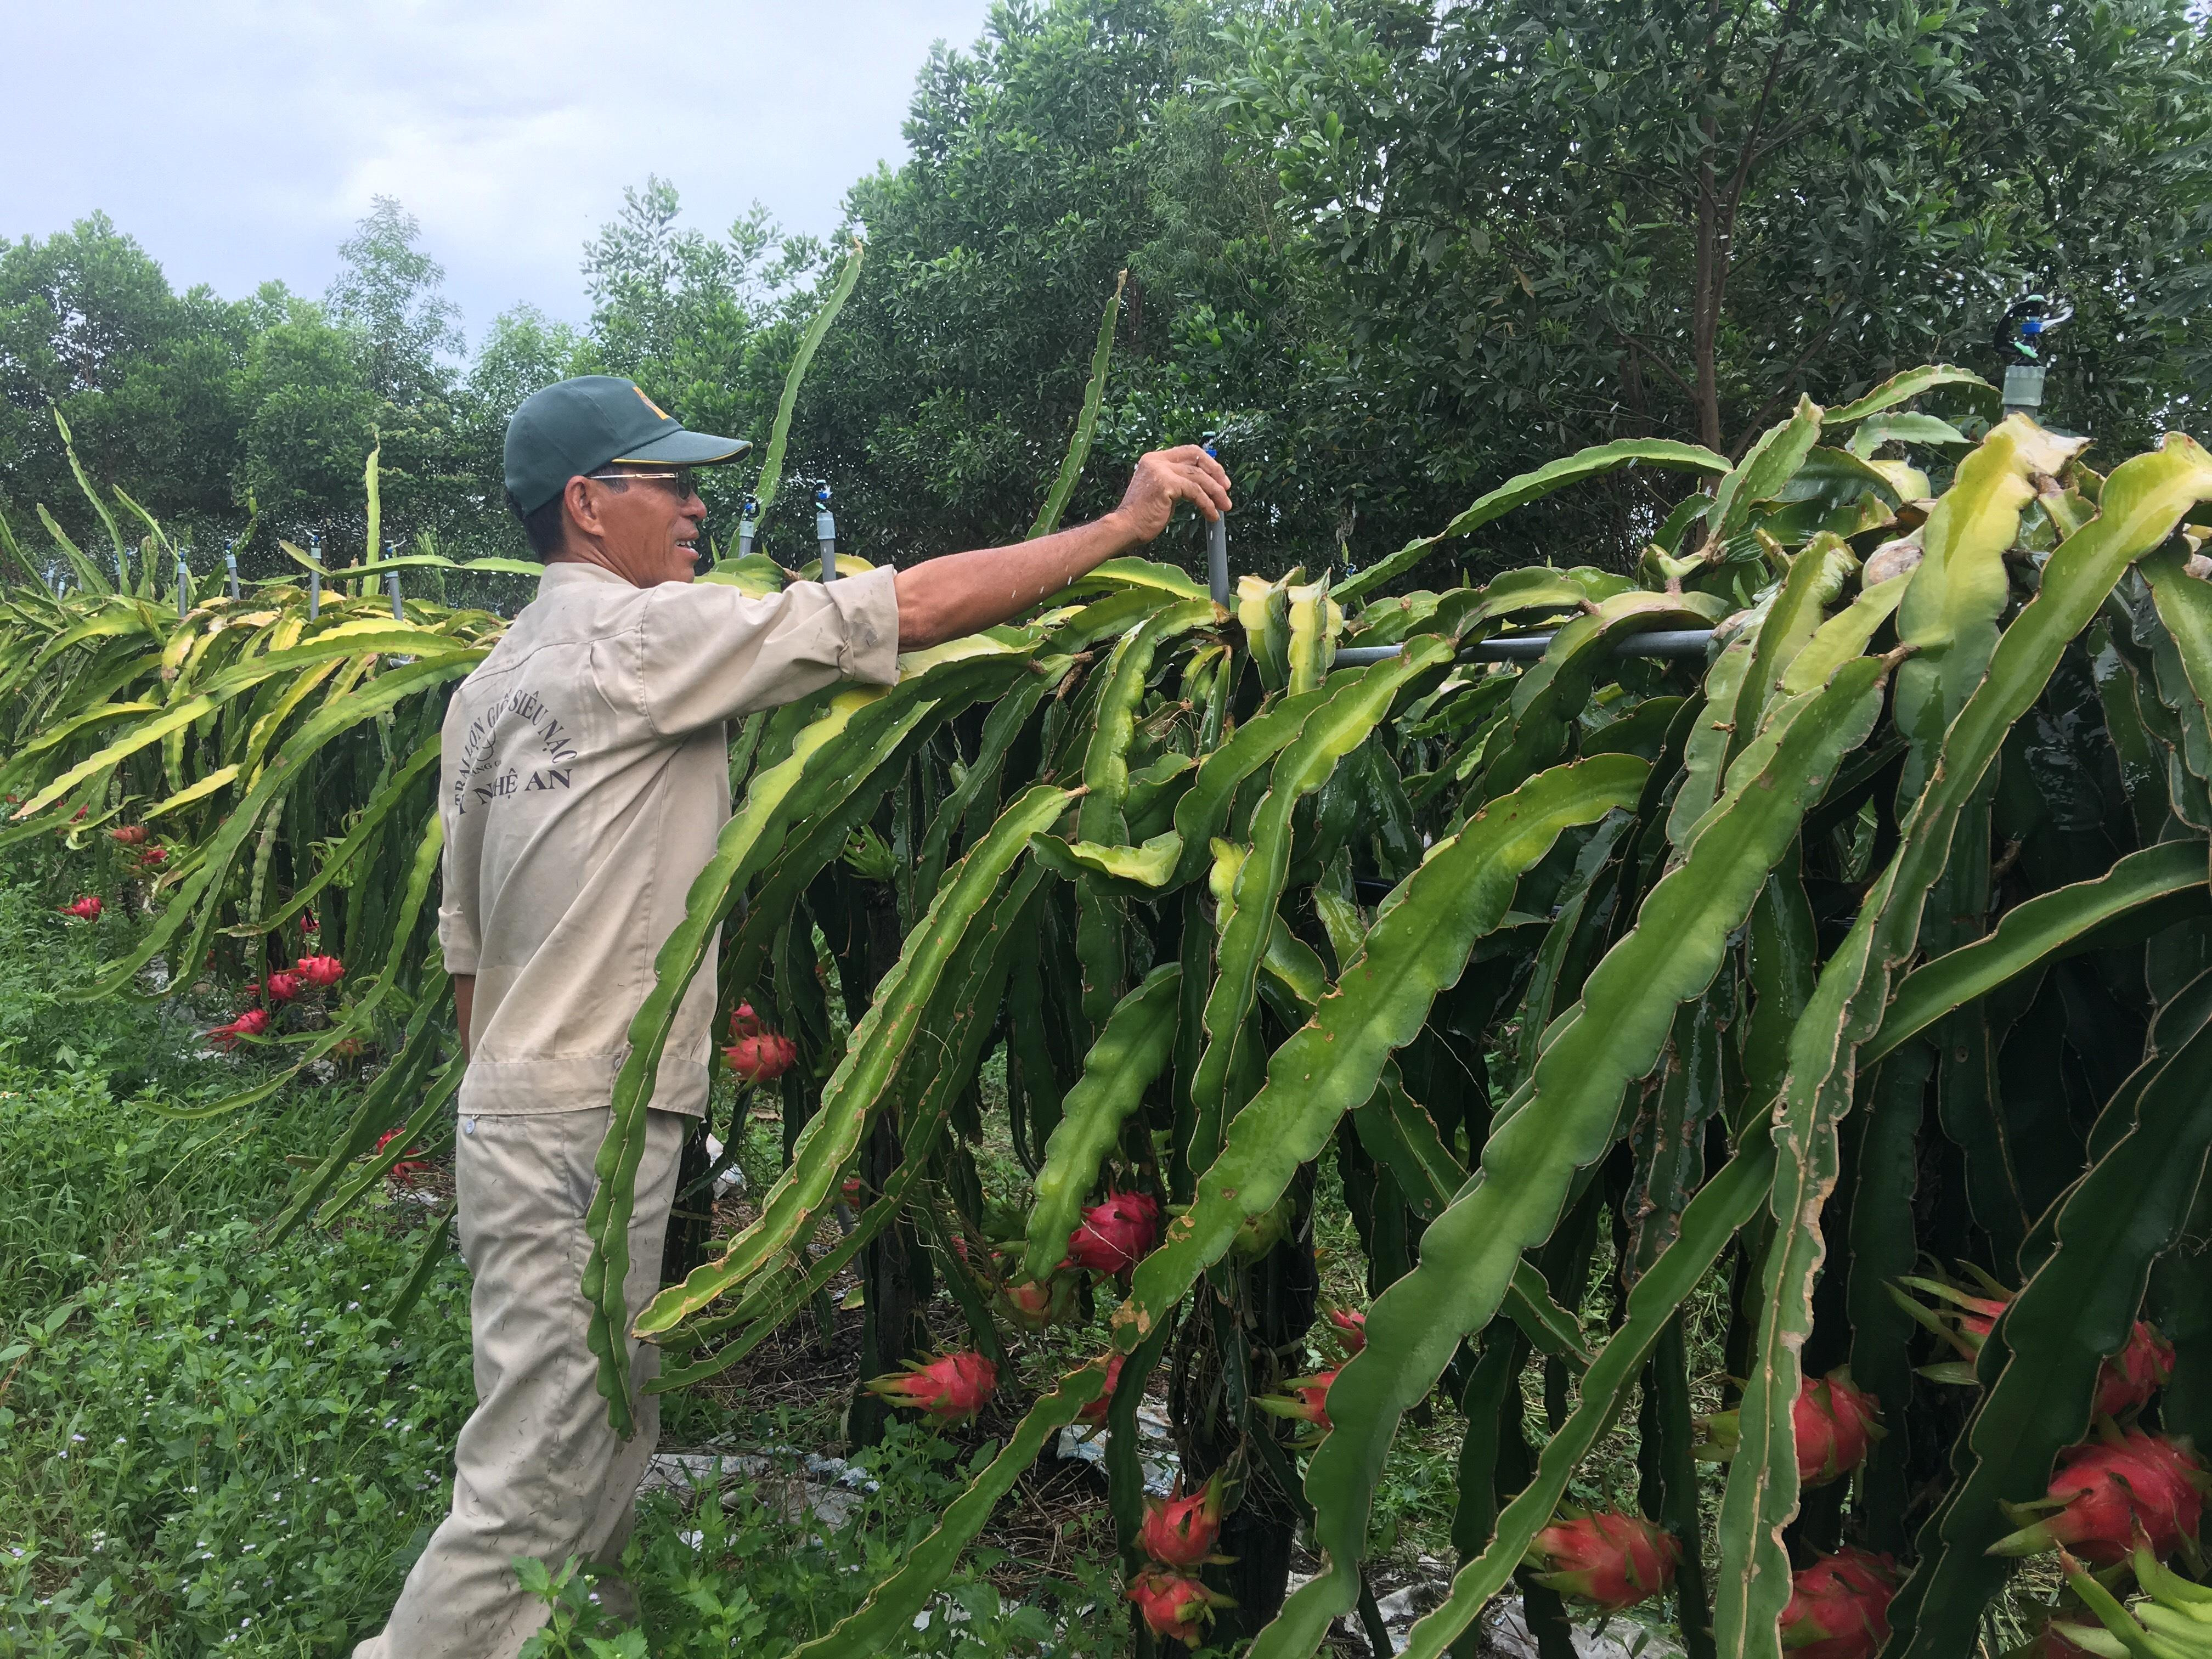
(686, 449)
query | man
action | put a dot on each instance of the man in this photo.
(584, 778)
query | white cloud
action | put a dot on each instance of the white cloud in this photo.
(239, 140)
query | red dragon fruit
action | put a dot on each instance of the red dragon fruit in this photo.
(951, 1388)
(2103, 1492)
(1839, 1607)
(283, 986)
(2128, 1379)
(1180, 1531)
(254, 1022)
(407, 1170)
(1302, 1399)
(1176, 1605)
(2130, 1376)
(1115, 1234)
(152, 859)
(745, 1023)
(129, 834)
(86, 909)
(1610, 1559)
(1094, 1414)
(761, 1058)
(321, 972)
(1351, 1328)
(1834, 1422)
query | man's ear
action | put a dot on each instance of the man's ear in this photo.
(580, 509)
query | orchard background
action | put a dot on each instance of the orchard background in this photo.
(1616, 1037)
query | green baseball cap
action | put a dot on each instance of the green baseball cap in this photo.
(581, 425)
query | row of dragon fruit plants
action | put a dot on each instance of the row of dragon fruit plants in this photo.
(1856, 963)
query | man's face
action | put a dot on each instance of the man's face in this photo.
(647, 526)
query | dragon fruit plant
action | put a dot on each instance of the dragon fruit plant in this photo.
(1427, 890)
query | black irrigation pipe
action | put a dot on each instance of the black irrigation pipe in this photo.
(1527, 647)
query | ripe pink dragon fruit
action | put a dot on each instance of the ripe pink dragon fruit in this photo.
(1839, 1607)
(1173, 1605)
(745, 1023)
(129, 834)
(1180, 1531)
(2130, 1376)
(321, 972)
(1114, 1235)
(1095, 1413)
(152, 859)
(283, 986)
(407, 1170)
(254, 1022)
(951, 1388)
(2128, 1379)
(1610, 1559)
(762, 1058)
(2103, 1494)
(86, 909)
(1302, 1399)
(1835, 1423)
(1351, 1328)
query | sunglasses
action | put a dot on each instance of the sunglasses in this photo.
(677, 483)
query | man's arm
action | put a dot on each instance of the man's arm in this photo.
(941, 599)
(464, 997)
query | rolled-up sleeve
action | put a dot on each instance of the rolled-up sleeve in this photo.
(706, 652)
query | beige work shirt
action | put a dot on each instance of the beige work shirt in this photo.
(585, 777)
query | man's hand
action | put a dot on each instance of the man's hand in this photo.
(1164, 476)
(961, 593)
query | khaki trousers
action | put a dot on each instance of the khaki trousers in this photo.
(538, 1472)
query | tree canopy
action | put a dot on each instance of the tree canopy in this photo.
(1394, 254)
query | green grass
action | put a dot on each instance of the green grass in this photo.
(209, 1445)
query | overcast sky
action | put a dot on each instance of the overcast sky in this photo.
(239, 139)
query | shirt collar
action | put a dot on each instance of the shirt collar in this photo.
(570, 572)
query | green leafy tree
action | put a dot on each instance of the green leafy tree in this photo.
(523, 350)
(1577, 220)
(145, 377)
(706, 323)
(389, 295)
(313, 421)
(1064, 147)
